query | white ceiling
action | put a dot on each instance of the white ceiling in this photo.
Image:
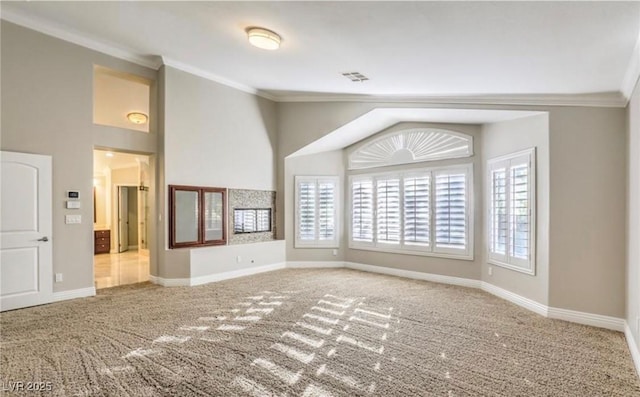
(405, 48)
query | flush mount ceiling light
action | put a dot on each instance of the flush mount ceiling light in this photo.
(137, 117)
(263, 38)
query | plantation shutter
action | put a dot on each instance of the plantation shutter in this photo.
(512, 201)
(362, 210)
(417, 210)
(326, 210)
(307, 210)
(450, 211)
(388, 210)
(519, 211)
(499, 216)
(316, 211)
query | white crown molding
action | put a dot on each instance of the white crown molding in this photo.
(612, 99)
(632, 74)
(615, 99)
(633, 347)
(73, 294)
(214, 77)
(48, 28)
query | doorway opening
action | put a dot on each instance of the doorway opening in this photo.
(121, 197)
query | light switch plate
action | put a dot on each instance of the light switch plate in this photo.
(72, 219)
(73, 204)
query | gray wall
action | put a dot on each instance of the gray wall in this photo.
(507, 137)
(217, 136)
(47, 108)
(587, 229)
(432, 264)
(211, 135)
(633, 216)
(587, 190)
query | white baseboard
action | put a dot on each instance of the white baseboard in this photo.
(463, 282)
(595, 320)
(519, 300)
(633, 347)
(170, 282)
(314, 264)
(73, 294)
(210, 278)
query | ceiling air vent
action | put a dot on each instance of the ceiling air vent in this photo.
(356, 77)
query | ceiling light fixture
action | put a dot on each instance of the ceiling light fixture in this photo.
(137, 117)
(263, 38)
(109, 154)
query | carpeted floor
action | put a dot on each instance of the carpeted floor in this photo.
(312, 333)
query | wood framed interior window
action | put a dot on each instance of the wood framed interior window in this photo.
(197, 216)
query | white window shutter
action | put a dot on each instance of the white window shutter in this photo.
(362, 210)
(417, 210)
(511, 211)
(326, 210)
(519, 211)
(498, 217)
(316, 212)
(388, 211)
(306, 210)
(451, 227)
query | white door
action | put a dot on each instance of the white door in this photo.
(26, 268)
(123, 219)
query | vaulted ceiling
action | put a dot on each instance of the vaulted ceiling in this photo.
(410, 49)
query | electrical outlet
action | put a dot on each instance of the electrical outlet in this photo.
(335, 252)
(58, 277)
(238, 259)
(490, 271)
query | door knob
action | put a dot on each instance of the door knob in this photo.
(43, 239)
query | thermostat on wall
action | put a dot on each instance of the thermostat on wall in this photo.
(73, 195)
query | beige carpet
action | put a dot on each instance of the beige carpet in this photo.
(312, 333)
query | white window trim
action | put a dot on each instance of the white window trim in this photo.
(409, 249)
(505, 260)
(317, 243)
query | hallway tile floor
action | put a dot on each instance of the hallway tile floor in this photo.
(119, 269)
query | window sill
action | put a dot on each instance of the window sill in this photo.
(312, 246)
(531, 272)
(463, 257)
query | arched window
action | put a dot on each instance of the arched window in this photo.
(411, 146)
(417, 210)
